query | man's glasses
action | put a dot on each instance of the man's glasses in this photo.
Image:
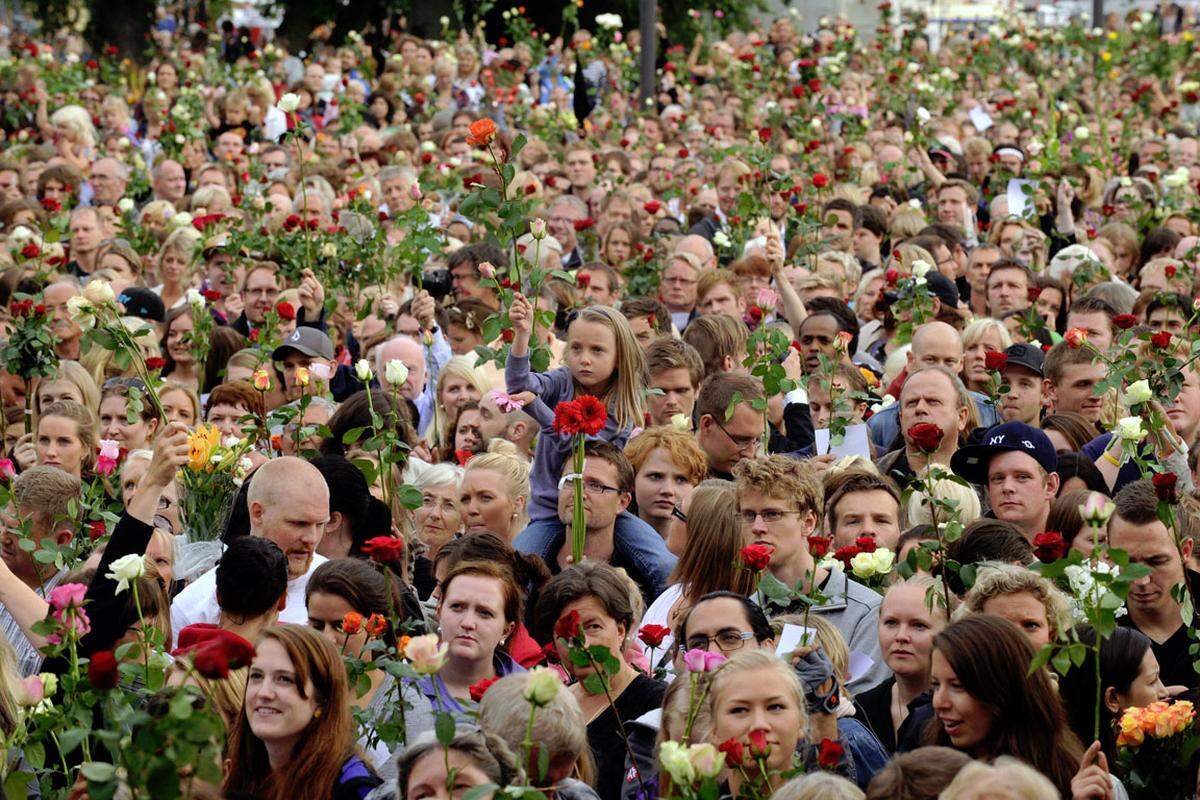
(727, 641)
(769, 515)
(596, 487)
(740, 442)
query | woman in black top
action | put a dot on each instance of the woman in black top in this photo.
(600, 596)
(907, 626)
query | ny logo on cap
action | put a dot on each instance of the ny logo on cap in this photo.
(997, 439)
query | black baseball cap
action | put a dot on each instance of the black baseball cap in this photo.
(1028, 356)
(306, 340)
(971, 462)
(938, 285)
(143, 303)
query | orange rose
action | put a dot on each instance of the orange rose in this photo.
(483, 131)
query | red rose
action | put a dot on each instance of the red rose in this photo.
(758, 743)
(155, 362)
(756, 556)
(1170, 270)
(844, 554)
(583, 280)
(653, 635)
(925, 436)
(734, 752)
(31, 250)
(652, 206)
(1161, 340)
(285, 310)
(814, 84)
(1125, 321)
(51, 205)
(819, 545)
(866, 544)
(479, 689)
(102, 670)
(462, 457)
(567, 627)
(797, 92)
(1033, 293)
(593, 414)
(507, 335)
(1164, 486)
(92, 64)
(212, 662)
(483, 131)
(292, 221)
(352, 623)
(764, 135)
(1049, 547)
(995, 361)
(1075, 338)
(111, 50)
(376, 625)
(683, 152)
(20, 308)
(830, 754)
(384, 549)
(820, 180)
(96, 529)
(891, 276)
(584, 224)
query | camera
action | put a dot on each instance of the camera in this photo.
(437, 282)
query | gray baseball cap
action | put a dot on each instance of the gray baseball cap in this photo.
(309, 341)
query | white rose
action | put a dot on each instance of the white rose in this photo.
(1130, 429)
(721, 240)
(883, 560)
(329, 250)
(673, 757)
(195, 299)
(1176, 179)
(363, 370)
(289, 103)
(1139, 392)
(81, 311)
(1082, 133)
(863, 565)
(181, 219)
(396, 373)
(99, 292)
(921, 268)
(609, 21)
(681, 422)
(125, 205)
(127, 569)
(542, 686)
(923, 115)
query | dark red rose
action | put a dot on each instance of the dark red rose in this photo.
(584, 224)
(1050, 547)
(652, 207)
(31, 250)
(820, 180)
(683, 152)
(155, 362)
(653, 635)
(814, 84)
(1170, 270)
(102, 670)
(583, 280)
(91, 63)
(891, 276)
(479, 689)
(96, 529)
(1125, 321)
(384, 549)
(756, 556)
(866, 544)
(819, 545)
(735, 752)
(844, 554)
(830, 754)
(1033, 293)
(995, 361)
(567, 627)
(51, 205)
(764, 135)
(1161, 340)
(1164, 486)
(285, 310)
(925, 436)
(758, 743)
(507, 335)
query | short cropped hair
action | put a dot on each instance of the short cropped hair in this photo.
(719, 390)
(780, 476)
(670, 353)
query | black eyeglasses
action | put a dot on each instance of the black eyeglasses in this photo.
(596, 487)
(740, 442)
(727, 641)
(678, 514)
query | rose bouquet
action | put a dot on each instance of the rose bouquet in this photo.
(1152, 744)
(214, 472)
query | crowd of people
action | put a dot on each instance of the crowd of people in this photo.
(893, 488)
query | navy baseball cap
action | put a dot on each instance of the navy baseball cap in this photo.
(971, 462)
(140, 302)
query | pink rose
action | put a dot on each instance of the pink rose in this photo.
(68, 594)
(702, 660)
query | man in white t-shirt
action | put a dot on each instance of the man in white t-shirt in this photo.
(288, 501)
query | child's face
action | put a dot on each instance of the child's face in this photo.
(235, 113)
(591, 354)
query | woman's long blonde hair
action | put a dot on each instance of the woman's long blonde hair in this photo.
(624, 395)
(457, 367)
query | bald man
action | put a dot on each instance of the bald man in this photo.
(700, 247)
(420, 384)
(288, 503)
(934, 344)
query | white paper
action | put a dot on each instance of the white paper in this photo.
(1020, 196)
(859, 665)
(980, 118)
(793, 636)
(856, 442)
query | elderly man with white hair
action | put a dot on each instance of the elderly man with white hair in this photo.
(108, 181)
(419, 374)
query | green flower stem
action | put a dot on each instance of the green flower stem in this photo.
(578, 518)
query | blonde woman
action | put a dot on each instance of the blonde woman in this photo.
(459, 382)
(980, 337)
(175, 259)
(1035, 605)
(494, 495)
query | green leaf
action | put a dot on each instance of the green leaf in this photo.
(594, 683)
(444, 728)
(1061, 661)
(481, 792)
(518, 144)
(98, 771)
(351, 436)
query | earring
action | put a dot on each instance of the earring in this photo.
(317, 714)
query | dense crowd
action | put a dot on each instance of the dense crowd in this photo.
(436, 418)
